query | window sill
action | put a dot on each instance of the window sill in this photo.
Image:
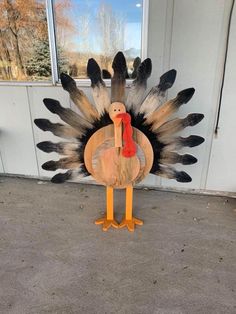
(79, 83)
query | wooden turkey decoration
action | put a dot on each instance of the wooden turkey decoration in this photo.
(120, 139)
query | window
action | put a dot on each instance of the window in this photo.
(41, 38)
(24, 46)
(97, 28)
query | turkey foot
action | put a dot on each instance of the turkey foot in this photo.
(130, 223)
(107, 223)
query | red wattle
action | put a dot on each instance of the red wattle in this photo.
(129, 149)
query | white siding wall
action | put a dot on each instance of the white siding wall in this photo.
(188, 35)
(222, 165)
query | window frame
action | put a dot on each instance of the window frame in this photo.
(55, 80)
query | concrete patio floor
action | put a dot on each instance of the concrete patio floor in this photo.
(53, 259)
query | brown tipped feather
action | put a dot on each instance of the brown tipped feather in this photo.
(67, 115)
(139, 85)
(161, 115)
(100, 93)
(174, 158)
(177, 125)
(62, 148)
(118, 80)
(63, 163)
(58, 129)
(157, 94)
(136, 64)
(79, 98)
(171, 173)
(179, 142)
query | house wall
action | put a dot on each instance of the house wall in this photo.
(188, 35)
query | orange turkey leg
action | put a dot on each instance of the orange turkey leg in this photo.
(129, 221)
(109, 220)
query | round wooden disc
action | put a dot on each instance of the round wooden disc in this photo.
(113, 169)
(103, 140)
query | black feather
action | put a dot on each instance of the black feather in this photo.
(167, 80)
(106, 74)
(94, 72)
(185, 95)
(47, 146)
(53, 105)
(191, 141)
(182, 176)
(193, 119)
(144, 71)
(136, 64)
(119, 64)
(50, 165)
(61, 177)
(68, 83)
(188, 159)
(43, 124)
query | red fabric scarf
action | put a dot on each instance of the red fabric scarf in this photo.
(129, 149)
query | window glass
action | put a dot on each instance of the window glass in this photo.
(24, 46)
(98, 29)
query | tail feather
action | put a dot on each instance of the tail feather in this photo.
(78, 97)
(72, 174)
(106, 74)
(67, 115)
(136, 64)
(171, 173)
(176, 125)
(119, 77)
(62, 148)
(100, 93)
(63, 163)
(157, 94)
(58, 129)
(179, 142)
(161, 115)
(139, 85)
(62, 177)
(174, 158)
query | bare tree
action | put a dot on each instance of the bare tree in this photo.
(112, 33)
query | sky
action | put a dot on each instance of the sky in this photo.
(130, 10)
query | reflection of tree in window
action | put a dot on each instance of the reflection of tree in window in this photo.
(24, 40)
(101, 28)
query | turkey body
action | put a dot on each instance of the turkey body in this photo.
(109, 167)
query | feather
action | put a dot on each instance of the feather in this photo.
(62, 177)
(100, 93)
(67, 115)
(139, 85)
(106, 74)
(118, 80)
(179, 142)
(62, 148)
(78, 97)
(176, 125)
(71, 174)
(161, 115)
(157, 94)
(136, 64)
(174, 158)
(63, 163)
(171, 173)
(58, 129)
